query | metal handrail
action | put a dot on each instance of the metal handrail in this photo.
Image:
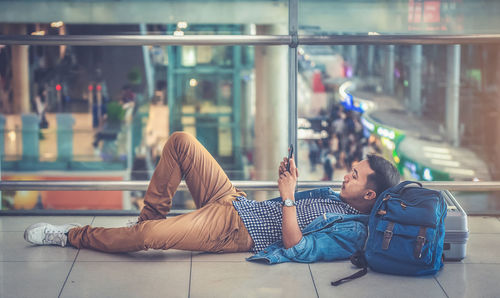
(269, 40)
(468, 186)
(139, 40)
(405, 39)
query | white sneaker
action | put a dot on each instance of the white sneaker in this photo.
(47, 234)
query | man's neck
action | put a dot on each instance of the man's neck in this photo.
(358, 206)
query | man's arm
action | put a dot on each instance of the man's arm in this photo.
(332, 242)
(286, 183)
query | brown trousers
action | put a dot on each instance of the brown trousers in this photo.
(215, 226)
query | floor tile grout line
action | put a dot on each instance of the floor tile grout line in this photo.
(441, 287)
(125, 261)
(67, 276)
(71, 268)
(37, 261)
(190, 272)
(217, 261)
(312, 278)
(474, 263)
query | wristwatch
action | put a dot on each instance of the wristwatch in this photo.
(288, 203)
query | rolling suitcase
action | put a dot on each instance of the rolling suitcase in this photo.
(456, 230)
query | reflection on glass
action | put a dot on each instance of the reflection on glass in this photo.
(398, 17)
(106, 112)
(431, 109)
(417, 105)
(111, 16)
(188, 56)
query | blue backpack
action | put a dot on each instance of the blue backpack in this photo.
(405, 233)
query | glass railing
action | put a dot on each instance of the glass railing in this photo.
(125, 197)
(415, 81)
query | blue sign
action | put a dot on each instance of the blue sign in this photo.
(349, 105)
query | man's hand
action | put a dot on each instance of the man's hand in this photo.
(286, 183)
(287, 180)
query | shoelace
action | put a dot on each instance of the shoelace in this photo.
(54, 237)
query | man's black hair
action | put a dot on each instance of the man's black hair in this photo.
(386, 175)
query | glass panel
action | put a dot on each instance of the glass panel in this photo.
(399, 17)
(479, 203)
(104, 113)
(123, 17)
(432, 110)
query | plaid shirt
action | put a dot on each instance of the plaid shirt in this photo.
(263, 219)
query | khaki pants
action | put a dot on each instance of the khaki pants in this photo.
(215, 226)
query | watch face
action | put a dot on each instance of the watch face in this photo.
(289, 203)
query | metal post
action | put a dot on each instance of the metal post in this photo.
(248, 96)
(369, 59)
(353, 54)
(65, 123)
(416, 80)
(292, 71)
(389, 71)
(126, 201)
(272, 127)
(171, 100)
(236, 109)
(30, 139)
(453, 94)
(91, 98)
(148, 68)
(20, 73)
(99, 107)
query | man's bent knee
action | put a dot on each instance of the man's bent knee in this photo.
(180, 136)
(179, 140)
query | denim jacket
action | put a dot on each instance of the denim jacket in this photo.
(329, 237)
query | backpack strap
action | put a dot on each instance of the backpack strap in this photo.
(357, 259)
(358, 274)
(387, 235)
(417, 252)
(403, 184)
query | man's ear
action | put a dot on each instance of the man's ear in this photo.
(370, 195)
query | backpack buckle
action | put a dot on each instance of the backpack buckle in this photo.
(417, 253)
(387, 236)
(381, 212)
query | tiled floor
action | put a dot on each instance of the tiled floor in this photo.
(30, 271)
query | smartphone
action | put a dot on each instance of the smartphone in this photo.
(290, 154)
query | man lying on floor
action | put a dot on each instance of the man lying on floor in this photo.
(308, 226)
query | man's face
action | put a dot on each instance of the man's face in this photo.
(354, 186)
